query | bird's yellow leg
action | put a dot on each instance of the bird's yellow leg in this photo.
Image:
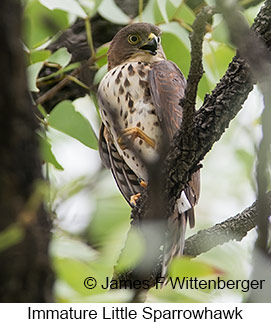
(133, 133)
(134, 198)
(142, 183)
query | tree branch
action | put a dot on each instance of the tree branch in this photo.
(25, 271)
(234, 228)
(196, 68)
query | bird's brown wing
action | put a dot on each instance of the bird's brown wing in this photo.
(167, 88)
(125, 178)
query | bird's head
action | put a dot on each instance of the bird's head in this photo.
(136, 42)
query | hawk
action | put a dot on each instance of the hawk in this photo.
(139, 102)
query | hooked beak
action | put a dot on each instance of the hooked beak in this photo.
(151, 45)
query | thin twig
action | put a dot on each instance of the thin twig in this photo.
(140, 9)
(50, 93)
(89, 37)
(75, 80)
(183, 24)
(196, 68)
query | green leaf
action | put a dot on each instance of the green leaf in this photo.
(42, 111)
(216, 60)
(100, 74)
(221, 34)
(39, 23)
(65, 119)
(32, 74)
(176, 3)
(47, 154)
(185, 267)
(179, 53)
(175, 29)
(111, 12)
(39, 55)
(148, 12)
(162, 5)
(70, 6)
(68, 247)
(108, 227)
(11, 236)
(171, 9)
(75, 272)
(223, 56)
(158, 18)
(185, 14)
(132, 252)
(61, 57)
(110, 215)
(90, 6)
(100, 52)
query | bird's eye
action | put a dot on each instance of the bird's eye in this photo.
(134, 39)
(158, 39)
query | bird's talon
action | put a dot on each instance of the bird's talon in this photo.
(133, 133)
(134, 198)
(142, 183)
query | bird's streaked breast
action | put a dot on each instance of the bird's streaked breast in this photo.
(125, 102)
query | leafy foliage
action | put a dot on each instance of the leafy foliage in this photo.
(64, 118)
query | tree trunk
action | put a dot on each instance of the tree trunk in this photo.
(25, 272)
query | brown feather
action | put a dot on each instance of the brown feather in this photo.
(125, 178)
(167, 88)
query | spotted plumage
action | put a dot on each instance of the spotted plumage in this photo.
(139, 100)
(132, 102)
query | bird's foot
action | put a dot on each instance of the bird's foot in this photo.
(132, 133)
(134, 198)
(142, 183)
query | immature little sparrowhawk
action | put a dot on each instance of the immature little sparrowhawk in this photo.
(139, 100)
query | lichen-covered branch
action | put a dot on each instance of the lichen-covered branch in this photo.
(196, 68)
(234, 228)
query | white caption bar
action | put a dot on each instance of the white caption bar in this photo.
(148, 312)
